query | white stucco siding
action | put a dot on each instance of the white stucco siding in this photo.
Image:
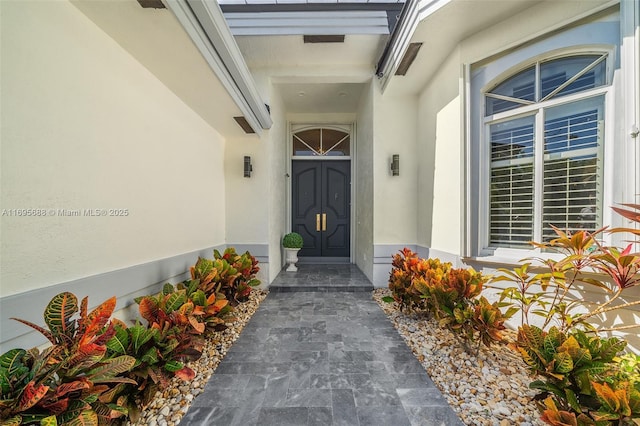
(85, 126)
(364, 182)
(395, 199)
(247, 198)
(278, 203)
(440, 188)
(537, 21)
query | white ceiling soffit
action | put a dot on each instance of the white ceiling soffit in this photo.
(320, 98)
(288, 2)
(290, 56)
(206, 26)
(308, 22)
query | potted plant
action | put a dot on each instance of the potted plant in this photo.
(292, 242)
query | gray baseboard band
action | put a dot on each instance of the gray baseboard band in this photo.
(126, 284)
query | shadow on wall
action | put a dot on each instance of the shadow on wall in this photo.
(439, 150)
(588, 300)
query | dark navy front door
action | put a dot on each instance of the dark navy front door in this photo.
(321, 207)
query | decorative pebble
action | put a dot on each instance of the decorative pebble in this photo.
(491, 387)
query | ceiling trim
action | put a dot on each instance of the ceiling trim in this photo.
(206, 26)
(308, 22)
(304, 6)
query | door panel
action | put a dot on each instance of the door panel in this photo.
(306, 201)
(321, 205)
(336, 205)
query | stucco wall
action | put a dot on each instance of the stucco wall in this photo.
(247, 198)
(278, 204)
(395, 197)
(85, 126)
(439, 149)
(395, 203)
(364, 182)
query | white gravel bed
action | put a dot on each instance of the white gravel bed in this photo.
(490, 389)
(171, 404)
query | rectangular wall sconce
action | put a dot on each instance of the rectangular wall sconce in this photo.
(248, 168)
(395, 165)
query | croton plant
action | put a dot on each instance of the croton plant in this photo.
(98, 370)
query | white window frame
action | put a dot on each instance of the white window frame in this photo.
(537, 111)
(477, 233)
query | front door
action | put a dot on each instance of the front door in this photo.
(321, 206)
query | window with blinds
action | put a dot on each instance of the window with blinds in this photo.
(571, 190)
(551, 178)
(511, 194)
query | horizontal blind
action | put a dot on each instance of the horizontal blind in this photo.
(511, 193)
(571, 186)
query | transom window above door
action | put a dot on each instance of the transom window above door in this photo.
(321, 142)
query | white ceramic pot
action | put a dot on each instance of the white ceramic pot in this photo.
(292, 258)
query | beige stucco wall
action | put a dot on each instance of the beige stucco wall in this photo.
(395, 201)
(85, 126)
(247, 199)
(278, 198)
(440, 151)
(364, 182)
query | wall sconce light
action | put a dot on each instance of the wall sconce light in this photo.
(248, 168)
(395, 165)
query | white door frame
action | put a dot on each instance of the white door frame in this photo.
(350, 128)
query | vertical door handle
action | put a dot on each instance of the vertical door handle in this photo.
(318, 222)
(324, 221)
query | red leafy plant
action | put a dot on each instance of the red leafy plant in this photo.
(71, 382)
(408, 272)
(452, 296)
(582, 376)
(98, 370)
(229, 273)
(177, 319)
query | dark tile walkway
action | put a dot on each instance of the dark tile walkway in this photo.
(322, 278)
(320, 358)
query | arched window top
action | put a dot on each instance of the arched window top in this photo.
(323, 142)
(547, 79)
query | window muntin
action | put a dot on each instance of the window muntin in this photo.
(322, 142)
(545, 168)
(571, 75)
(513, 92)
(546, 80)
